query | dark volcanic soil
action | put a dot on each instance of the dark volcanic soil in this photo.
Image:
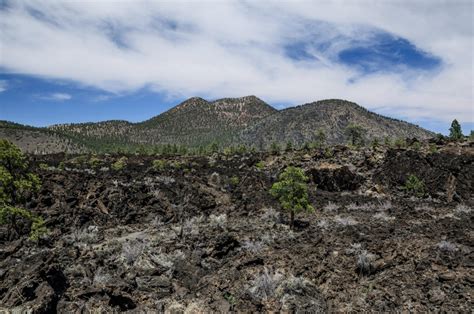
(204, 235)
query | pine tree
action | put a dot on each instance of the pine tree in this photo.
(292, 191)
(320, 138)
(356, 134)
(455, 131)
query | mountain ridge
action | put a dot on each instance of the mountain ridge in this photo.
(246, 120)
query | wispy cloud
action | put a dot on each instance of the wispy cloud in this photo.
(411, 57)
(3, 85)
(55, 96)
(102, 97)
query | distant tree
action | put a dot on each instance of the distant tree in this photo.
(400, 143)
(471, 137)
(166, 149)
(375, 143)
(455, 131)
(183, 150)
(320, 138)
(142, 150)
(356, 134)
(201, 150)
(307, 146)
(292, 192)
(214, 147)
(242, 149)
(174, 149)
(289, 146)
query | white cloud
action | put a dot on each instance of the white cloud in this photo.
(228, 48)
(56, 96)
(3, 85)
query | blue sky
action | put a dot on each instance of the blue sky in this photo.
(66, 62)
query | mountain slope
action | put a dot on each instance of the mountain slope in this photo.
(38, 140)
(100, 137)
(228, 121)
(194, 122)
(199, 122)
(299, 124)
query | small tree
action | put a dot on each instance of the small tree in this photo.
(414, 186)
(455, 131)
(292, 192)
(214, 147)
(289, 146)
(320, 138)
(356, 134)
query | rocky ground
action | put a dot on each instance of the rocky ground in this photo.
(203, 234)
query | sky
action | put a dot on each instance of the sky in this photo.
(79, 61)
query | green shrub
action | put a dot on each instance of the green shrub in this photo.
(242, 149)
(260, 165)
(400, 143)
(119, 164)
(177, 165)
(416, 146)
(11, 216)
(229, 151)
(43, 166)
(159, 164)
(15, 180)
(234, 180)
(79, 160)
(433, 148)
(292, 191)
(94, 162)
(230, 298)
(328, 152)
(414, 186)
(15, 184)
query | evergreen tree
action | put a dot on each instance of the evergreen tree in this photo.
(455, 131)
(292, 191)
(320, 138)
(356, 134)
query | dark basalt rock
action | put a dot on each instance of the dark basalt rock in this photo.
(334, 178)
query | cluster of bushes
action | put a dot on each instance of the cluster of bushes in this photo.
(161, 164)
